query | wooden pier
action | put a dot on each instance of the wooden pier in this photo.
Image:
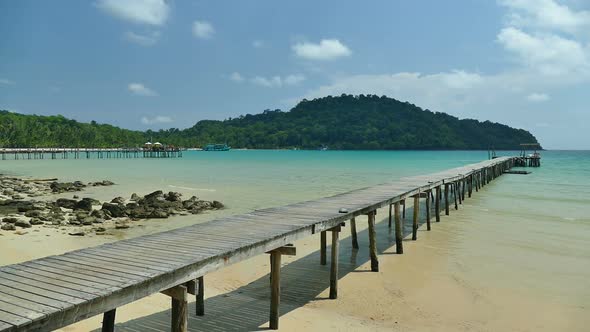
(64, 289)
(88, 153)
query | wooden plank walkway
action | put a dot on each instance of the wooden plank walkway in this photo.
(55, 291)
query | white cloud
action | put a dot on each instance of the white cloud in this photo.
(258, 44)
(203, 29)
(546, 15)
(143, 40)
(151, 12)
(548, 54)
(460, 79)
(278, 81)
(4, 81)
(537, 97)
(156, 120)
(236, 77)
(327, 49)
(270, 82)
(141, 90)
(293, 79)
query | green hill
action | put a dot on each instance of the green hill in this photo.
(344, 122)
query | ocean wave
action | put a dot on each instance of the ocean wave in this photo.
(189, 188)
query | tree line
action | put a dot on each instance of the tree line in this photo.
(363, 122)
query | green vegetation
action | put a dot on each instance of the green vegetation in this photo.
(344, 122)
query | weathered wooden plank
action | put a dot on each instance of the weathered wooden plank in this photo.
(41, 277)
(76, 273)
(55, 294)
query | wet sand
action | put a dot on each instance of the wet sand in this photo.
(484, 268)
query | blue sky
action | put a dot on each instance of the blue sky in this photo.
(158, 64)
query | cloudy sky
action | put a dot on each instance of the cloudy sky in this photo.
(158, 64)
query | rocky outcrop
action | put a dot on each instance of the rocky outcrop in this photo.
(87, 212)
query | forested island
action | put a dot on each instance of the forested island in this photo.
(363, 122)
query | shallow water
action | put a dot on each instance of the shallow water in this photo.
(523, 238)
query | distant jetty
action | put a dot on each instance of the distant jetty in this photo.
(88, 153)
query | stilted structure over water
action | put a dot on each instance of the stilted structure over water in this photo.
(88, 153)
(531, 159)
(63, 289)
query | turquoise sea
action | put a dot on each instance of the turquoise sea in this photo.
(250, 179)
(523, 237)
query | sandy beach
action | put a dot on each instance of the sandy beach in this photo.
(472, 272)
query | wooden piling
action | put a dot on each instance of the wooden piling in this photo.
(334, 263)
(200, 297)
(455, 195)
(355, 242)
(390, 217)
(108, 321)
(437, 204)
(373, 242)
(428, 210)
(416, 216)
(447, 185)
(404, 210)
(323, 248)
(399, 233)
(275, 288)
(179, 317)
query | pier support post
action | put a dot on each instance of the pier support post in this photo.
(179, 317)
(355, 242)
(416, 216)
(437, 204)
(447, 199)
(404, 209)
(399, 233)
(200, 297)
(455, 195)
(463, 188)
(390, 207)
(470, 185)
(323, 248)
(428, 193)
(108, 321)
(275, 283)
(334, 263)
(275, 289)
(373, 242)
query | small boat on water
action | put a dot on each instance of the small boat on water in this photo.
(216, 147)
